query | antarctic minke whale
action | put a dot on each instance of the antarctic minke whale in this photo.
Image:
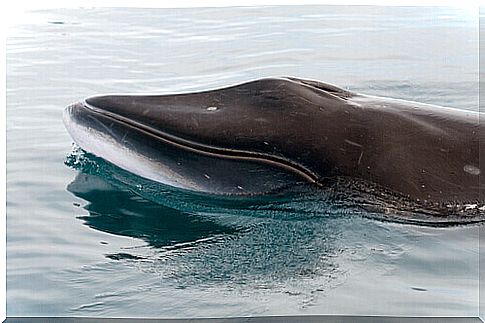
(266, 134)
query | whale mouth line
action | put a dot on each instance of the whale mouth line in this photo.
(205, 149)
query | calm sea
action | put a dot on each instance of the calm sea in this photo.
(87, 239)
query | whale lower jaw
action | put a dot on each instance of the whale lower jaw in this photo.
(105, 146)
(152, 156)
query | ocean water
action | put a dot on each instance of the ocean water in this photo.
(85, 238)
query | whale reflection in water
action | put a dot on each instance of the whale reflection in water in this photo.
(118, 211)
(231, 246)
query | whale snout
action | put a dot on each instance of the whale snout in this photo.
(69, 110)
(70, 118)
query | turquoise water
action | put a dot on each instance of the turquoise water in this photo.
(87, 239)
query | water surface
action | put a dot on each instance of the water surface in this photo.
(86, 239)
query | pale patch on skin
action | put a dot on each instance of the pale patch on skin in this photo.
(471, 170)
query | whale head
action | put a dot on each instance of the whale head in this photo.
(244, 139)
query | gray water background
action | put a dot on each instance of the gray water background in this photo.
(80, 242)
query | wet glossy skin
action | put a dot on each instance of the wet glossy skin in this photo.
(313, 130)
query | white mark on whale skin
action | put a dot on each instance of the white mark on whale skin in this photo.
(261, 120)
(471, 170)
(352, 143)
(360, 157)
(212, 108)
(124, 136)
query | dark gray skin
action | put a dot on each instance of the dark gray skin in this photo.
(316, 132)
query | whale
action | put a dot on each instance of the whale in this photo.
(267, 134)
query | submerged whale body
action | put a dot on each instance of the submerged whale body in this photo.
(267, 134)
